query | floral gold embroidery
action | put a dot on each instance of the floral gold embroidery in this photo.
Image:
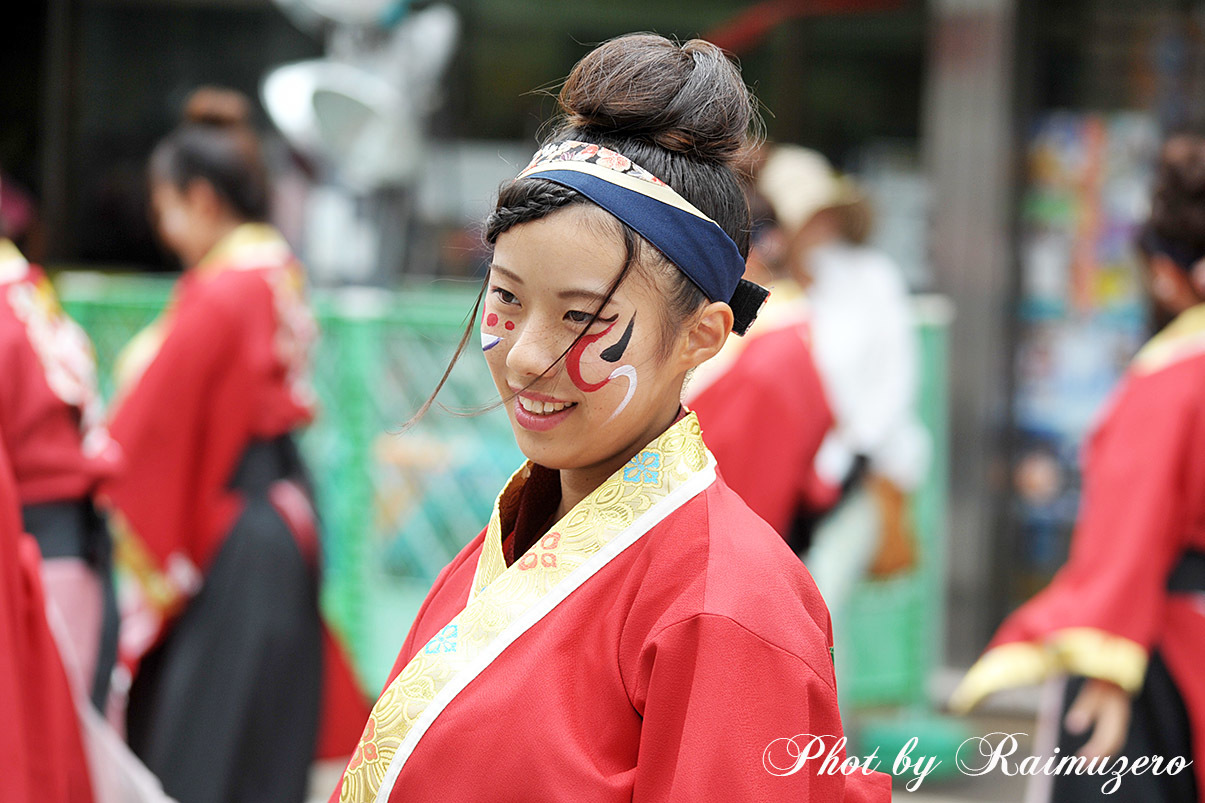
(500, 595)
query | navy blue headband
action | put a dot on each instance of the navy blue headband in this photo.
(692, 241)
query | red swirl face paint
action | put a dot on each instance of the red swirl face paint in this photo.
(573, 362)
(612, 353)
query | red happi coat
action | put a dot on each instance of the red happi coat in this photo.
(764, 415)
(50, 417)
(42, 756)
(674, 669)
(224, 366)
(1142, 509)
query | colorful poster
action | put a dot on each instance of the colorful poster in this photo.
(1082, 313)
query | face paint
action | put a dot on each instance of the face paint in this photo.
(612, 353)
(488, 341)
(573, 362)
(630, 372)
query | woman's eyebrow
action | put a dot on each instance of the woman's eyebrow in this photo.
(508, 274)
(589, 295)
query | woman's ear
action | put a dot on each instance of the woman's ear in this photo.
(203, 199)
(1173, 289)
(707, 335)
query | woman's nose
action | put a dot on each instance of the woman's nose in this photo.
(532, 350)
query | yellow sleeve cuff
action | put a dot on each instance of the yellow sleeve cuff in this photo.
(1083, 651)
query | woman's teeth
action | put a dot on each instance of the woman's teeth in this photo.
(543, 408)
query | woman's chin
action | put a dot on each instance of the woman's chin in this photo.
(549, 450)
(540, 450)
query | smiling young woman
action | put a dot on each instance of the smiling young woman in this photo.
(624, 628)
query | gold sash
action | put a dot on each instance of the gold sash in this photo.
(504, 602)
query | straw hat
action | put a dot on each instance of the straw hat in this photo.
(799, 182)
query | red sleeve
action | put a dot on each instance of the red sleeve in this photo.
(181, 427)
(715, 698)
(40, 431)
(1132, 522)
(41, 750)
(764, 421)
(1103, 612)
(15, 363)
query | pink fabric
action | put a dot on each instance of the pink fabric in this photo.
(75, 591)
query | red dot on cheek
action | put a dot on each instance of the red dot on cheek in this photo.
(491, 319)
(510, 324)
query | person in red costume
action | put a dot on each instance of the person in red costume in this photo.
(1125, 617)
(625, 627)
(42, 756)
(761, 400)
(51, 426)
(213, 516)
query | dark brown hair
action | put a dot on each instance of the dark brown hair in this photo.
(1178, 196)
(215, 143)
(680, 111)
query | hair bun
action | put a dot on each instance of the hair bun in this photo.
(218, 107)
(686, 98)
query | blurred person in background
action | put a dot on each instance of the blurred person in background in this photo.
(1125, 617)
(625, 628)
(864, 346)
(52, 429)
(42, 757)
(761, 401)
(19, 220)
(213, 515)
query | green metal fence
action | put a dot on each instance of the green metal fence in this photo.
(396, 507)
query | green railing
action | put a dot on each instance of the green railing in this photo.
(396, 507)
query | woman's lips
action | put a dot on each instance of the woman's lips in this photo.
(540, 412)
(537, 396)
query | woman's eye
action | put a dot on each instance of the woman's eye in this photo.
(505, 296)
(578, 316)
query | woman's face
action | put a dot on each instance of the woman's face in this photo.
(612, 393)
(1169, 286)
(184, 220)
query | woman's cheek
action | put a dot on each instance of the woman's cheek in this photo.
(609, 387)
(173, 226)
(494, 329)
